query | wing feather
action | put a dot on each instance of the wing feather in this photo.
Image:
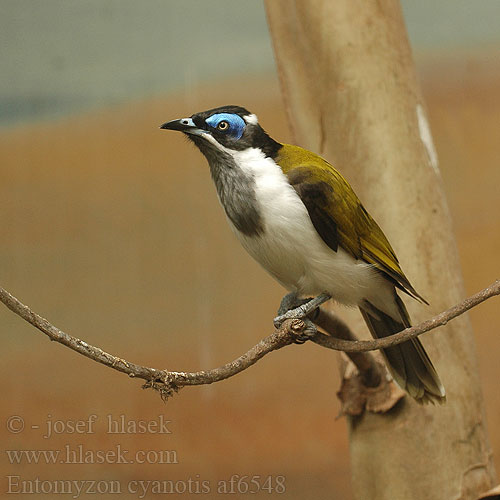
(338, 215)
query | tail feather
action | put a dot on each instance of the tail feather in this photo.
(408, 362)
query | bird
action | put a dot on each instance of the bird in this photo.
(300, 219)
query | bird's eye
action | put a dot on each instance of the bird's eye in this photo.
(223, 125)
(229, 126)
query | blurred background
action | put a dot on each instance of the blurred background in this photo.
(111, 229)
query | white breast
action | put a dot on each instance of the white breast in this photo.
(290, 248)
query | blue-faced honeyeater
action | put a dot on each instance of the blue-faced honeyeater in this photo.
(300, 219)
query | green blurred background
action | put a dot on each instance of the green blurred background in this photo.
(111, 229)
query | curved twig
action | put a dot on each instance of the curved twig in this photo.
(168, 382)
(409, 333)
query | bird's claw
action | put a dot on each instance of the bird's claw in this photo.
(303, 330)
(292, 307)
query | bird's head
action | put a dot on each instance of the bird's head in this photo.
(223, 130)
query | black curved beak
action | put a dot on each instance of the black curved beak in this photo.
(185, 125)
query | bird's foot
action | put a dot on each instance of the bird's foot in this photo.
(292, 307)
(303, 330)
(290, 301)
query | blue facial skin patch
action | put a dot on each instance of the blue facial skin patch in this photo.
(236, 123)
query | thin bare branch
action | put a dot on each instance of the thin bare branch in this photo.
(168, 382)
(54, 333)
(409, 333)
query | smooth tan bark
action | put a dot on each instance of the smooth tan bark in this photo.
(351, 94)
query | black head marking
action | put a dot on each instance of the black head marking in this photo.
(219, 133)
(252, 136)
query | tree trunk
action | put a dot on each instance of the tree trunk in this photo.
(351, 94)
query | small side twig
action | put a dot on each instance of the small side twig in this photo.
(168, 382)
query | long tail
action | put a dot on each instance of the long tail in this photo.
(408, 362)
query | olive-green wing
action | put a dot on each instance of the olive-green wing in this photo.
(338, 215)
